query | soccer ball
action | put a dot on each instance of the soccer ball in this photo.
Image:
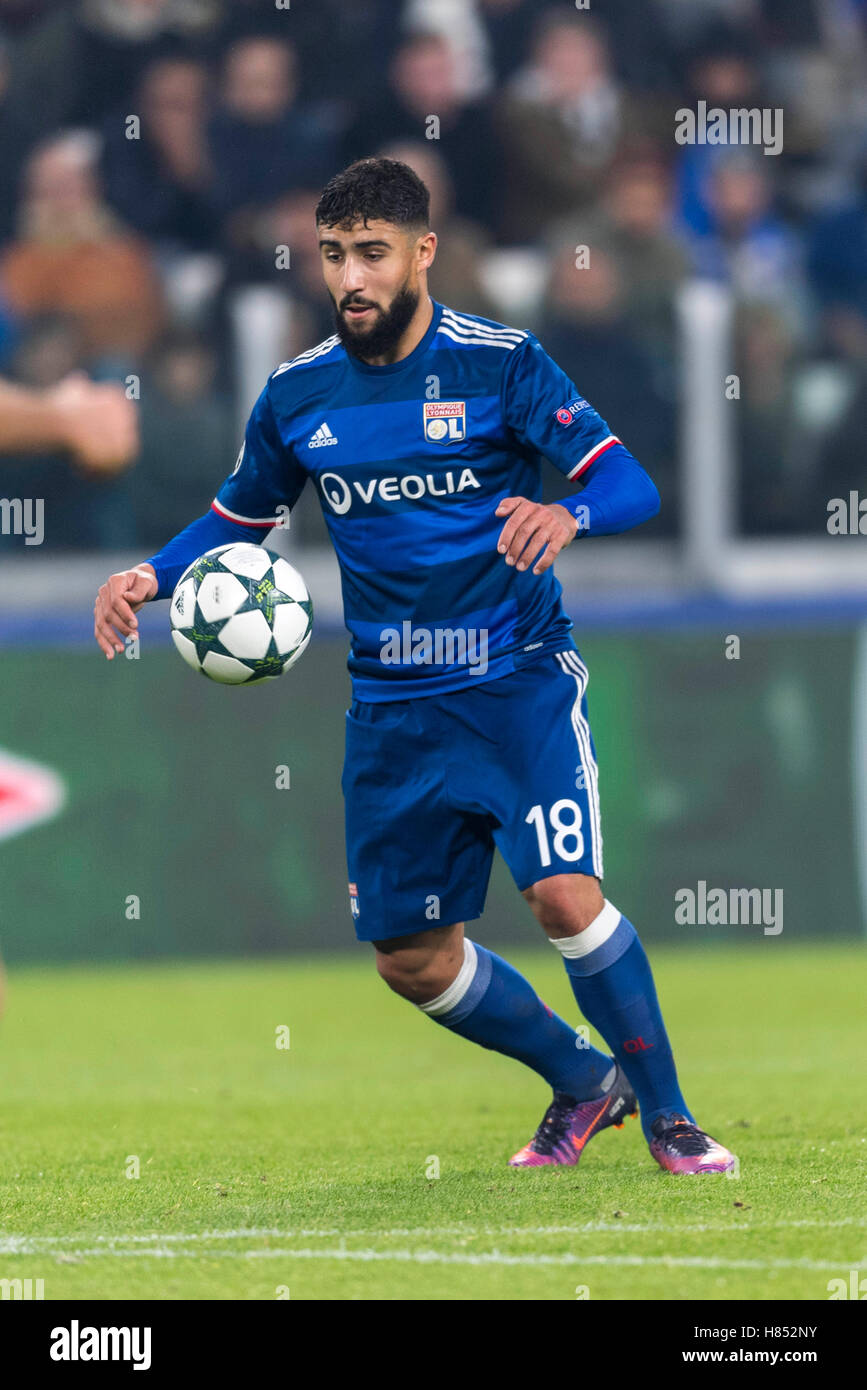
(241, 614)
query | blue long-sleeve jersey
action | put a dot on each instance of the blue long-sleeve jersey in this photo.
(410, 461)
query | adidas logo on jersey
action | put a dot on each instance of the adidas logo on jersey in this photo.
(322, 436)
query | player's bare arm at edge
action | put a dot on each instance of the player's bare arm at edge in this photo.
(118, 601)
(90, 421)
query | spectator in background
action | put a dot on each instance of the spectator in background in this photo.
(635, 223)
(562, 121)
(13, 146)
(455, 277)
(84, 58)
(692, 17)
(263, 141)
(814, 68)
(634, 28)
(838, 269)
(160, 183)
(840, 465)
(770, 498)
(747, 245)
(345, 45)
(67, 440)
(423, 84)
(801, 424)
(19, 15)
(509, 25)
(187, 439)
(295, 273)
(641, 55)
(587, 329)
(72, 258)
(721, 70)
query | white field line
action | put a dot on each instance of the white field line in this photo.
(12, 1244)
(194, 1245)
(497, 1257)
(493, 1257)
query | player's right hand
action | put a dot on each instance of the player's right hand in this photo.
(117, 603)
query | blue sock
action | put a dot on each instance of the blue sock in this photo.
(612, 982)
(492, 1004)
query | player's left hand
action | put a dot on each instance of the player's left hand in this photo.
(534, 532)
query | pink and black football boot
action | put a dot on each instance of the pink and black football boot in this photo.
(679, 1146)
(568, 1124)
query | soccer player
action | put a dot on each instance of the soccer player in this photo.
(422, 430)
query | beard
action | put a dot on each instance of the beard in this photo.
(387, 329)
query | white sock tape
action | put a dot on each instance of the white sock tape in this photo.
(593, 936)
(458, 987)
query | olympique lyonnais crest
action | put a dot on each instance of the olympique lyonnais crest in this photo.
(445, 422)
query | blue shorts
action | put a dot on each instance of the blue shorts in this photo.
(433, 784)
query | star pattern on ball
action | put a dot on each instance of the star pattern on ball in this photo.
(241, 614)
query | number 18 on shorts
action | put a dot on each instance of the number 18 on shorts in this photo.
(433, 785)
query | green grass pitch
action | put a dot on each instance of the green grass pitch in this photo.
(306, 1172)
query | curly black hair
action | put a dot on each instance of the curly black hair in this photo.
(383, 189)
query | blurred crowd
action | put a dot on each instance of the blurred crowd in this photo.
(155, 155)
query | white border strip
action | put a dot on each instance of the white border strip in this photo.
(593, 454)
(221, 510)
(476, 342)
(572, 665)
